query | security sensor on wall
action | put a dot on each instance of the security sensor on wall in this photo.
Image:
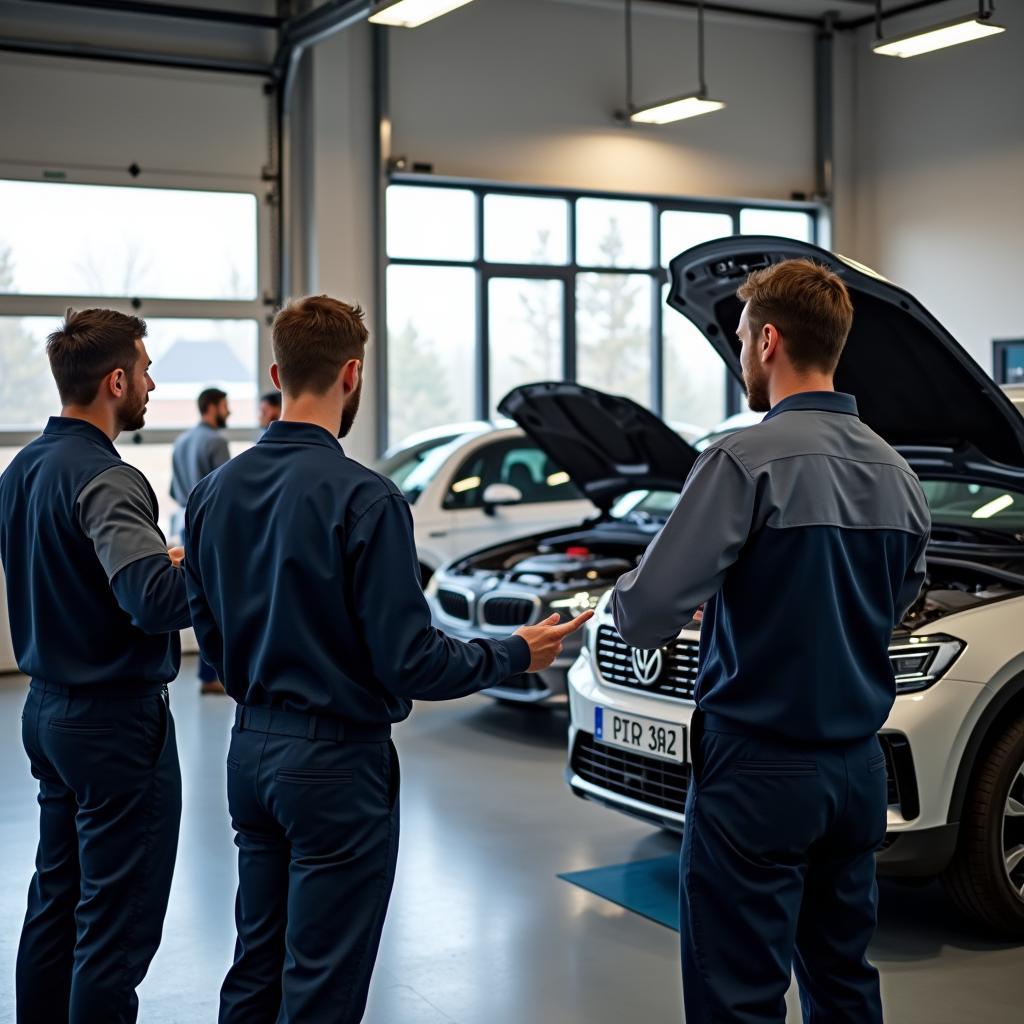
(936, 37)
(678, 108)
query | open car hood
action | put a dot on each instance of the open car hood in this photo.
(914, 384)
(608, 444)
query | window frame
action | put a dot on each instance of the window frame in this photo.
(258, 309)
(485, 271)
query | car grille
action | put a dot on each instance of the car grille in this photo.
(661, 784)
(676, 677)
(506, 611)
(454, 604)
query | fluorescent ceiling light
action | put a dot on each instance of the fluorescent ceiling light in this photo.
(993, 508)
(413, 13)
(675, 110)
(964, 30)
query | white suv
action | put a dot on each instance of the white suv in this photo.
(954, 742)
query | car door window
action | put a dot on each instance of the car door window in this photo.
(518, 463)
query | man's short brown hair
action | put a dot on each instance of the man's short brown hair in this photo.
(89, 345)
(313, 339)
(808, 304)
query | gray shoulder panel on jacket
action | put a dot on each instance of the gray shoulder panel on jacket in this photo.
(115, 510)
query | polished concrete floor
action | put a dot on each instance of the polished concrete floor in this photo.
(480, 930)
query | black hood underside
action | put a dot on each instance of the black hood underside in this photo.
(914, 383)
(608, 444)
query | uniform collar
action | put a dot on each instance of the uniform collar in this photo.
(297, 432)
(80, 428)
(817, 401)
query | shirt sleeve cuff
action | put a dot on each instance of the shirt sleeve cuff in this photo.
(519, 654)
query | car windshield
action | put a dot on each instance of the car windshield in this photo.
(400, 465)
(975, 506)
(645, 506)
(418, 478)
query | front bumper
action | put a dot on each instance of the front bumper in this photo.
(546, 687)
(921, 741)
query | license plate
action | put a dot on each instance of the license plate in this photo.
(663, 740)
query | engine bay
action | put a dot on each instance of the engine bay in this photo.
(953, 585)
(591, 558)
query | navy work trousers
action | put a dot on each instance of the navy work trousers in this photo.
(316, 822)
(778, 861)
(109, 812)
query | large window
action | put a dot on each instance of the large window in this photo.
(187, 260)
(492, 287)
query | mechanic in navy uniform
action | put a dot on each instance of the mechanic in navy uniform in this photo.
(95, 601)
(806, 536)
(305, 595)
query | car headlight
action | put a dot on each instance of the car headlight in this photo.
(919, 661)
(583, 601)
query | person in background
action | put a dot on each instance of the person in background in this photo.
(95, 601)
(305, 593)
(804, 537)
(269, 410)
(197, 453)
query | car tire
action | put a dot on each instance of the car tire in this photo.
(979, 878)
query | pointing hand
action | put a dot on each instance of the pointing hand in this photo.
(545, 639)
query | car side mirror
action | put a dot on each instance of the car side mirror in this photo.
(500, 494)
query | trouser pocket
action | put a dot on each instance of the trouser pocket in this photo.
(394, 775)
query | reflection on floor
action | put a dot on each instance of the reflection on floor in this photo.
(481, 931)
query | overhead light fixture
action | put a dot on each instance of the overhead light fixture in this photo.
(412, 13)
(676, 110)
(680, 107)
(936, 37)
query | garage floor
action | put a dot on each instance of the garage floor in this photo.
(480, 930)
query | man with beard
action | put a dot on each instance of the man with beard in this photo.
(95, 603)
(269, 410)
(806, 536)
(197, 453)
(305, 594)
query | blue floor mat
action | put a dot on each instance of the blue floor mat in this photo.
(647, 887)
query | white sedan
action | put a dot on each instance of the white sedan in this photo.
(484, 486)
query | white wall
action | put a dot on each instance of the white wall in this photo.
(341, 204)
(525, 90)
(936, 181)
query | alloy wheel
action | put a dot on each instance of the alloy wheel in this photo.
(1013, 833)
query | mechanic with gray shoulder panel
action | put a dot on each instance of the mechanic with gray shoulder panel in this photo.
(95, 602)
(804, 538)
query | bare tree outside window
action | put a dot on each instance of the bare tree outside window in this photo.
(613, 326)
(27, 392)
(419, 394)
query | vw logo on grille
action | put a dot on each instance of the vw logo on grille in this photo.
(646, 665)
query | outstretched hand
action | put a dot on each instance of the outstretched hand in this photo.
(545, 639)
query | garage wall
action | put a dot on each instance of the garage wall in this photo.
(340, 179)
(524, 91)
(937, 176)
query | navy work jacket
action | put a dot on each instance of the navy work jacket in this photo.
(805, 535)
(305, 592)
